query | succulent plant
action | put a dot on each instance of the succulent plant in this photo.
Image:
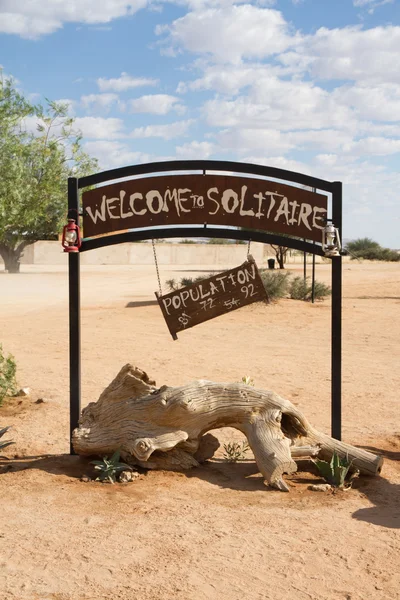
(7, 442)
(334, 472)
(110, 467)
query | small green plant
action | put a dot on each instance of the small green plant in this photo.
(321, 290)
(298, 288)
(235, 451)
(174, 285)
(110, 467)
(301, 289)
(334, 472)
(171, 285)
(275, 283)
(248, 380)
(8, 368)
(186, 281)
(7, 442)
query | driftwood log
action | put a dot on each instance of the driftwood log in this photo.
(164, 427)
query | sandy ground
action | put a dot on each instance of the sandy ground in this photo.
(216, 531)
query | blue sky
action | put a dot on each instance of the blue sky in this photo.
(308, 85)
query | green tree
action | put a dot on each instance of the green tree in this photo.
(370, 250)
(362, 245)
(34, 167)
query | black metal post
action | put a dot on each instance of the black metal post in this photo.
(74, 317)
(336, 340)
(304, 264)
(313, 270)
(313, 278)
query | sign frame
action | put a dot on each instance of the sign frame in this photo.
(334, 188)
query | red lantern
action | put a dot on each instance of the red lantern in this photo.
(71, 237)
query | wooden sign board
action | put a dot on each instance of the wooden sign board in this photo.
(212, 297)
(246, 202)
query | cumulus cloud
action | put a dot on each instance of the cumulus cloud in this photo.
(99, 102)
(124, 82)
(100, 128)
(371, 5)
(112, 154)
(195, 150)
(167, 132)
(350, 53)
(281, 104)
(156, 104)
(231, 33)
(34, 18)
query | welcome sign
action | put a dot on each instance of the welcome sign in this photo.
(244, 202)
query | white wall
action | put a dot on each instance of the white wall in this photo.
(51, 253)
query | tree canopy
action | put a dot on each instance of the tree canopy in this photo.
(368, 249)
(39, 150)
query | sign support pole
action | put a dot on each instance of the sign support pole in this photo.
(336, 335)
(74, 317)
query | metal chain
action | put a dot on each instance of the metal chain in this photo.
(158, 272)
(248, 248)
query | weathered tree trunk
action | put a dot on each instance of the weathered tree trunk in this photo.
(280, 253)
(12, 255)
(163, 427)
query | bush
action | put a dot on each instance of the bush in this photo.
(362, 245)
(370, 250)
(8, 368)
(184, 281)
(276, 283)
(301, 289)
(298, 288)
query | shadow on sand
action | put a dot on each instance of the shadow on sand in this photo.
(55, 464)
(384, 495)
(140, 303)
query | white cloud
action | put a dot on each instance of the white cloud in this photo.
(373, 146)
(230, 79)
(100, 128)
(34, 18)
(280, 162)
(231, 33)
(371, 5)
(156, 104)
(280, 104)
(99, 102)
(167, 132)
(124, 82)
(245, 141)
(350, 53)
(376, 102)
(195, 150)
(112, 154)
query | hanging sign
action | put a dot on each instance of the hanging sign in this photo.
(209, 298)
(246, 202)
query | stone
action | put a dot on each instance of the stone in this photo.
(320, 487)
(24, 392)
(127, 476)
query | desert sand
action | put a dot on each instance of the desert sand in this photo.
(216, 531)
